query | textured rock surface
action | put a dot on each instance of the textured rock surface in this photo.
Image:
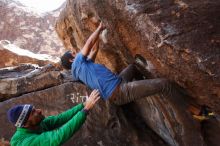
(27, 78)
(11, 55)
(181, 41)
(179, 38)
(29, 30)
(4, 143)
(105, 125)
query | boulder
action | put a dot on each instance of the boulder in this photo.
(179, 39)
(27, 78)
(105, 125)
(12, 55)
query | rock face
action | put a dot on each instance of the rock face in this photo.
(11, 55)
(27, 78)
(29, 30)
(179, 38)
(103, 126)
(51, 89)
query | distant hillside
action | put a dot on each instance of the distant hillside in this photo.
(28, 29)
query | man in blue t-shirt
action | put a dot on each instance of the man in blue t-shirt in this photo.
(120, 89)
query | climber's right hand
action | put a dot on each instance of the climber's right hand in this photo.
(101, 26)
(93, 98)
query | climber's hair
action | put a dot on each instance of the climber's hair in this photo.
(65, 60)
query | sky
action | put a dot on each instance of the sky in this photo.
(43, 5)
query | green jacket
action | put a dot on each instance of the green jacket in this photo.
(54, 130)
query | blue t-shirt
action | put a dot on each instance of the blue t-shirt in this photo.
(96, 76)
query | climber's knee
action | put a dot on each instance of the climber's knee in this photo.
(166, 86)
(164, 82)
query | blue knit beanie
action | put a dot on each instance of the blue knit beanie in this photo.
(18, 115)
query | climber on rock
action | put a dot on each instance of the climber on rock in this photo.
(120, 89)
(34, 129)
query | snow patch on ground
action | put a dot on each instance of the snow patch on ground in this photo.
(22, 23)
(24, 27)
(56, 14)
(20, 41)
(36, 29)
(29, 35)
(51, 27)
(11, 20)
(22, 52)
(19, 9)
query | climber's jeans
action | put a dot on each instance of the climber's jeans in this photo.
(130, 90)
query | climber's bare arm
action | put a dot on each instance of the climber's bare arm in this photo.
(92, 40)
(94, 51)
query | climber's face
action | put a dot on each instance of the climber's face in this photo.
(35, 118)
(72, 55)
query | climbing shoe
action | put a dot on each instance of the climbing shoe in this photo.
(204, 114)
(140, 61)
(142, 66)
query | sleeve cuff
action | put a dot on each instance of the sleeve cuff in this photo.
(85, 111)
